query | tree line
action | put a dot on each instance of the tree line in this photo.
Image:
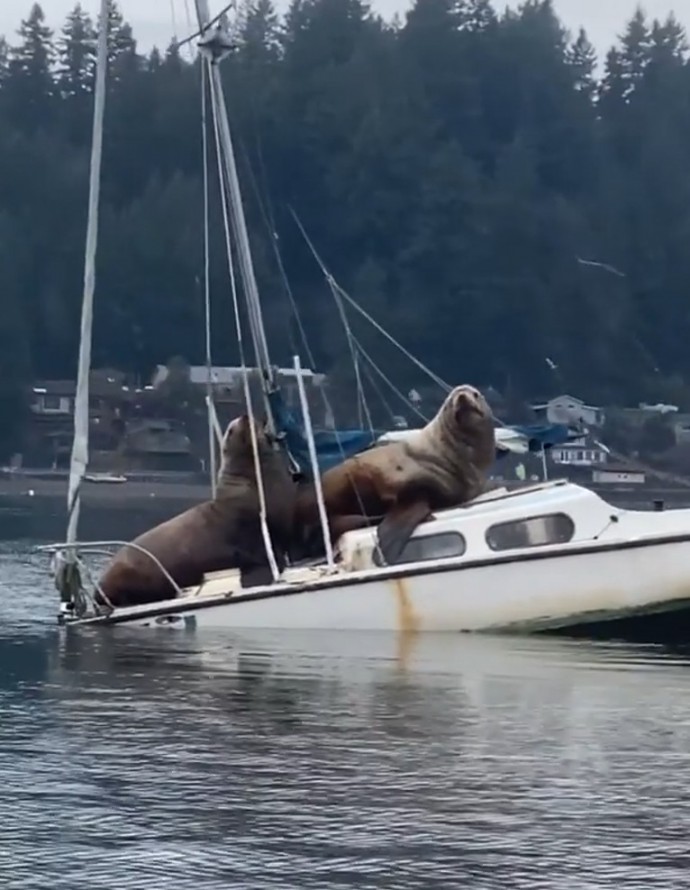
(512, 213)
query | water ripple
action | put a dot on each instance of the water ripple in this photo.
(167, 760)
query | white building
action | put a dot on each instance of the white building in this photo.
(570, 411)
(231, 377)
(583, 452)
(618, 476)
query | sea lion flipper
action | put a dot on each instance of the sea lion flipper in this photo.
(397, 528)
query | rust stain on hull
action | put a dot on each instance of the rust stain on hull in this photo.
(408, 622)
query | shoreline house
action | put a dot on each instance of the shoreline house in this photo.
(51, 408)
(585, 452)
(162, 425)
(617, 474)
(589, 462)
(569, 410)
(115, 405)
(228, 388)
(158, 444)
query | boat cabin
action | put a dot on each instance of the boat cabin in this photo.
(501, 520)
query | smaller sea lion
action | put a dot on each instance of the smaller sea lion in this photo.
(440, 466)
(222, 533)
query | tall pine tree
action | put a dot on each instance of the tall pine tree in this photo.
(30, 86)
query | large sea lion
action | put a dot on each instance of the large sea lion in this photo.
(440, 466)
(219, 534)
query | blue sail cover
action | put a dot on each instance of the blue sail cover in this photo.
(334, 446)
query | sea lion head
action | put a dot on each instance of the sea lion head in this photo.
(467, 403)
(237, 449)
(466, 419)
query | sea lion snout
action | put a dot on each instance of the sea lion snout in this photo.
(240, 429)
(237, 426)
(468, 399)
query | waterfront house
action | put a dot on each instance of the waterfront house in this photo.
(583, 452)
(158, 445)
(618, 475)
(570, 411)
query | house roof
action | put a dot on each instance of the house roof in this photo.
(55, 387)
(587, 442)
(544, 403)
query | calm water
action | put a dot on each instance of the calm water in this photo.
(159, 759)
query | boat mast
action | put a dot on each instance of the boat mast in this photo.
(214, 45)
(80, 444)
(210, 404)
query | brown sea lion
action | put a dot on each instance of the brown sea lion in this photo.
(440, 466)
(219, 534)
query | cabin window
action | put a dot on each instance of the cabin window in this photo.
(441, 546)
(556, 528)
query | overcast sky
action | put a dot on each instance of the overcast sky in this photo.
(152, 20)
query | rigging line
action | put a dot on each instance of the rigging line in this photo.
(269, 222)
(226, 222)
(244, 254)
(329, 277)
(324, 397)
(390, 383)
(422, 367)
(190, 26)
(361, 404)
(207, 281)
(375, 387)
(174, 20)
(270, 553)
(274, 241)
(331, 280)
(441, 383)
(281, 267)
(361, 400)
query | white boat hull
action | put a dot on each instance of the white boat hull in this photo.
(539, 592)
(552, 556)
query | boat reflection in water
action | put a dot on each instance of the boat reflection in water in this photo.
(335, 760)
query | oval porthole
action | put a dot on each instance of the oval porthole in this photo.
(536, 531)
(444, 545)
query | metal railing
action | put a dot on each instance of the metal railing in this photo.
(77, 604)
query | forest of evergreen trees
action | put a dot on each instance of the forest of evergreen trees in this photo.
(474, 179)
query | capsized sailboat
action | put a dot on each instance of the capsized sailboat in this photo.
(547, 556)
